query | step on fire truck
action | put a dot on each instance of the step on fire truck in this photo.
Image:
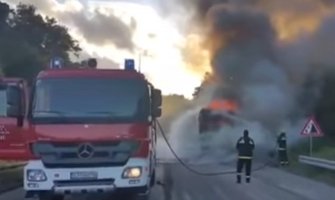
(82, 130)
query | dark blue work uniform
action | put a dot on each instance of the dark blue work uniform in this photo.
(245, 146)
(282, 149)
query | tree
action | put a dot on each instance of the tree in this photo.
(207, 79)
(28, 41)
(325, 108)
(4, 12)
(173, 106)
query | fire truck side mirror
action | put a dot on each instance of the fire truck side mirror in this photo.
(92, 63)
(156, 98)
(14, 104)
(156, 103)
(157, 112)
(3, 86)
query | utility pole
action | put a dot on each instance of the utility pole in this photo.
(139, 61)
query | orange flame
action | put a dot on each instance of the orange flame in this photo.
(223, 105)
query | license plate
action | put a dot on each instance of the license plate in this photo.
(84, 175)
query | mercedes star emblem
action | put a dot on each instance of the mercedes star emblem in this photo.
(85, 151)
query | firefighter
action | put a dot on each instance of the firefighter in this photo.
(282, 149)
(245, 146)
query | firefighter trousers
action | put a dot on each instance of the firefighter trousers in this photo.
(282, 155)
(247, 163)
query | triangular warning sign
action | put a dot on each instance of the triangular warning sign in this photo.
(312, 128)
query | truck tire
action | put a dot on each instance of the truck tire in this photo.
(153, 179)
(143, 197)
(132, 197)
(48, 196)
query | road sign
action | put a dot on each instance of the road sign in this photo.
(312, 128)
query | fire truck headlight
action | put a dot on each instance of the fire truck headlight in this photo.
(132, 172)
(57, 62)
(36, 175)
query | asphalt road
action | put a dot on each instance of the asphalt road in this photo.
(268, 184)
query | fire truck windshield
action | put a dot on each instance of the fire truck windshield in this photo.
(90, 100)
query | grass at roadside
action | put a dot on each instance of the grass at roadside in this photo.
(323, 148)
(10, 179)
(9, 165)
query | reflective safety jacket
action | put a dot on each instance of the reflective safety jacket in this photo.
(245, 147)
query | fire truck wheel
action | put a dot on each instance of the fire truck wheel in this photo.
(47, 196)
(134, 197)
(153, 179)
(145, 197)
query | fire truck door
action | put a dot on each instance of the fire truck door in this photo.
(12, 112)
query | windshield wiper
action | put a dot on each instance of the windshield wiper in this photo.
(59, 113)
(62, 118)
(104, 113)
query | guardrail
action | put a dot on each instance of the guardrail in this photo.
(317, 162)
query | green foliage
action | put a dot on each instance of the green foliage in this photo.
(325, 109)
(208, 78)
(173, 105)
(322, 148)
(28, 41)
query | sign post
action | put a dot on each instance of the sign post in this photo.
(310, 145)
(139, 61)
(311, 129)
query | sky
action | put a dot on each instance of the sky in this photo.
(114, 30)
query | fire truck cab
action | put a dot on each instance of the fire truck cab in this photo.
(85, 131)
(13, 110)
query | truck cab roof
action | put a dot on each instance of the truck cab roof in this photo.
(89, 72)
(14, 80)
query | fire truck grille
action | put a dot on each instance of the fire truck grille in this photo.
(85, 154)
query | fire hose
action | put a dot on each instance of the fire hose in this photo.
(186, 166)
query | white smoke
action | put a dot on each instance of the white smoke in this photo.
(187, 143)
(182, 137)
(277, 83)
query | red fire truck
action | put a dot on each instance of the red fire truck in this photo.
(84, 130)
(13, 109)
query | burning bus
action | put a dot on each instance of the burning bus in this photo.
(216, 115)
